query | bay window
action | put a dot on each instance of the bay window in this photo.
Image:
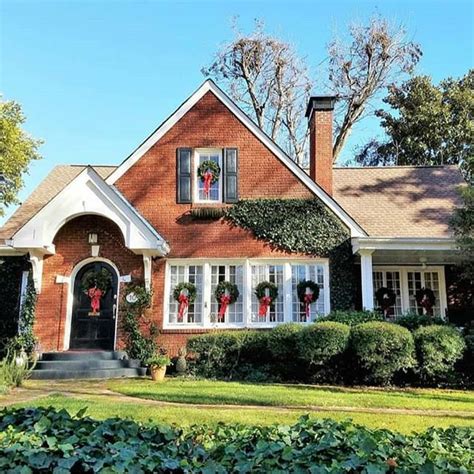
(246, 274)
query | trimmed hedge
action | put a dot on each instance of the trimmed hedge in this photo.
(413, 321)
(320, 342)
(381, 350)
(438, 348)
(46, 440)
(352, 318)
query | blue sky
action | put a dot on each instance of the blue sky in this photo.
(95, 77)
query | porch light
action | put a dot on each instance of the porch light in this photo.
(93, 238)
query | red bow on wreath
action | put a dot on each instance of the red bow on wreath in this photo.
(225, 301)
(208, 175)
(95, 294)
(308, 299)
(264, 304)
(183, 304)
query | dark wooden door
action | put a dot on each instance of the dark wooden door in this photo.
(94, 329)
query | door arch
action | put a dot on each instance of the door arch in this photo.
(93, 326)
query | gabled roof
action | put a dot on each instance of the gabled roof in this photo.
(210, 86)
(400, 201)
(55, 182)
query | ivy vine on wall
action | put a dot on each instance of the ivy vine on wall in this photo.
(304, 226)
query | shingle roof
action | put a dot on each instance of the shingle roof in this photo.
(56, 180)
(400, 201)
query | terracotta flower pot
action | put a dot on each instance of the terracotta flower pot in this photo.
(158, 373)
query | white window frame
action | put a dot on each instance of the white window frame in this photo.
(246, 292)
(195, 184)
(404, 283)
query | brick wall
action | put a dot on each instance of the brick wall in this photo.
(71, 248)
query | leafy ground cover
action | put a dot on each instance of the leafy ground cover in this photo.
(236, 393)
(47, 440)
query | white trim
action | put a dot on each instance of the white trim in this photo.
(23, 287)
(403, 271)
(402, 243)
(195, 185)
(70, 297)
(247, 264)
(9, 251)
(88, 194)
(210, 86)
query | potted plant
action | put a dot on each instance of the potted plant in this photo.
(157, 364)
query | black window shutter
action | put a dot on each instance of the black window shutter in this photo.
(231, 168)
(183, 175)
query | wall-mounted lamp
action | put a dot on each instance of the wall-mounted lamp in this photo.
(93, 238)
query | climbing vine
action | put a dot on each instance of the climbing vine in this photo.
(302, 226)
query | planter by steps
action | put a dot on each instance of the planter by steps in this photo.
(86, 365)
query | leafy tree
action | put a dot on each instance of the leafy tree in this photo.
(271, 82)
(463, 226)
(17, 150)
(427, 124)
(267, 78)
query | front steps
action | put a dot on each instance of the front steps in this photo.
(86, 365)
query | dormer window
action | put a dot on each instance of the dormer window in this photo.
(207, 179)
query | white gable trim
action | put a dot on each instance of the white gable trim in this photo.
(402, 243)
(210, 86)
(89, 194)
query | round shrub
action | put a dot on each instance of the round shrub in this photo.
(353, 317)
(381, 350)
(320, 342)
(413, 321)
(437, 350)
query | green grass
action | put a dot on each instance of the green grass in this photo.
(235, 393)
(101, 408)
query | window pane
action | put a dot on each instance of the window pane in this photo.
(274, 274)
(235, 311)
(190, 274)
(215, 187)
(307, 272)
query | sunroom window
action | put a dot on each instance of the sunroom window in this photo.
(423, 279)
(233, 274)
(214, 193)
(273, 274)
(307, 272)
(189, 274)
(391, 280)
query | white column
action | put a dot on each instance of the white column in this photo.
(367, 279)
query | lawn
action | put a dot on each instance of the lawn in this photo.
(236, 393)
(103, 407)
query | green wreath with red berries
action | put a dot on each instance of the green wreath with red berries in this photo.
(213, 167)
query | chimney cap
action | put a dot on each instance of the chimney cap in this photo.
(320, 102)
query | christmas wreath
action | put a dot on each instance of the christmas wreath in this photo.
(426, 298)
(267, 293)
(386, 298)
(308, 292)
(184, 294)
(226, 293)
(92, 279)
(209, 172)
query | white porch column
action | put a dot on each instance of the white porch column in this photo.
(147, 270)
(36, 259)
(367, 279)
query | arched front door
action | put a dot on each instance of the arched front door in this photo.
(94, 307)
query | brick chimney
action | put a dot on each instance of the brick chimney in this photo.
(320, 117)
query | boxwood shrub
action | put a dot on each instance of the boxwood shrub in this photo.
(413, 321)
(381, 350)
(45, 440)
(438, 348)
(352, 317)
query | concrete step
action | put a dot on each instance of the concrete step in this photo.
(87, 374)
(84, 355)
(89, 364)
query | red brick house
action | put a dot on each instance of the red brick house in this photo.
(135, 222)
